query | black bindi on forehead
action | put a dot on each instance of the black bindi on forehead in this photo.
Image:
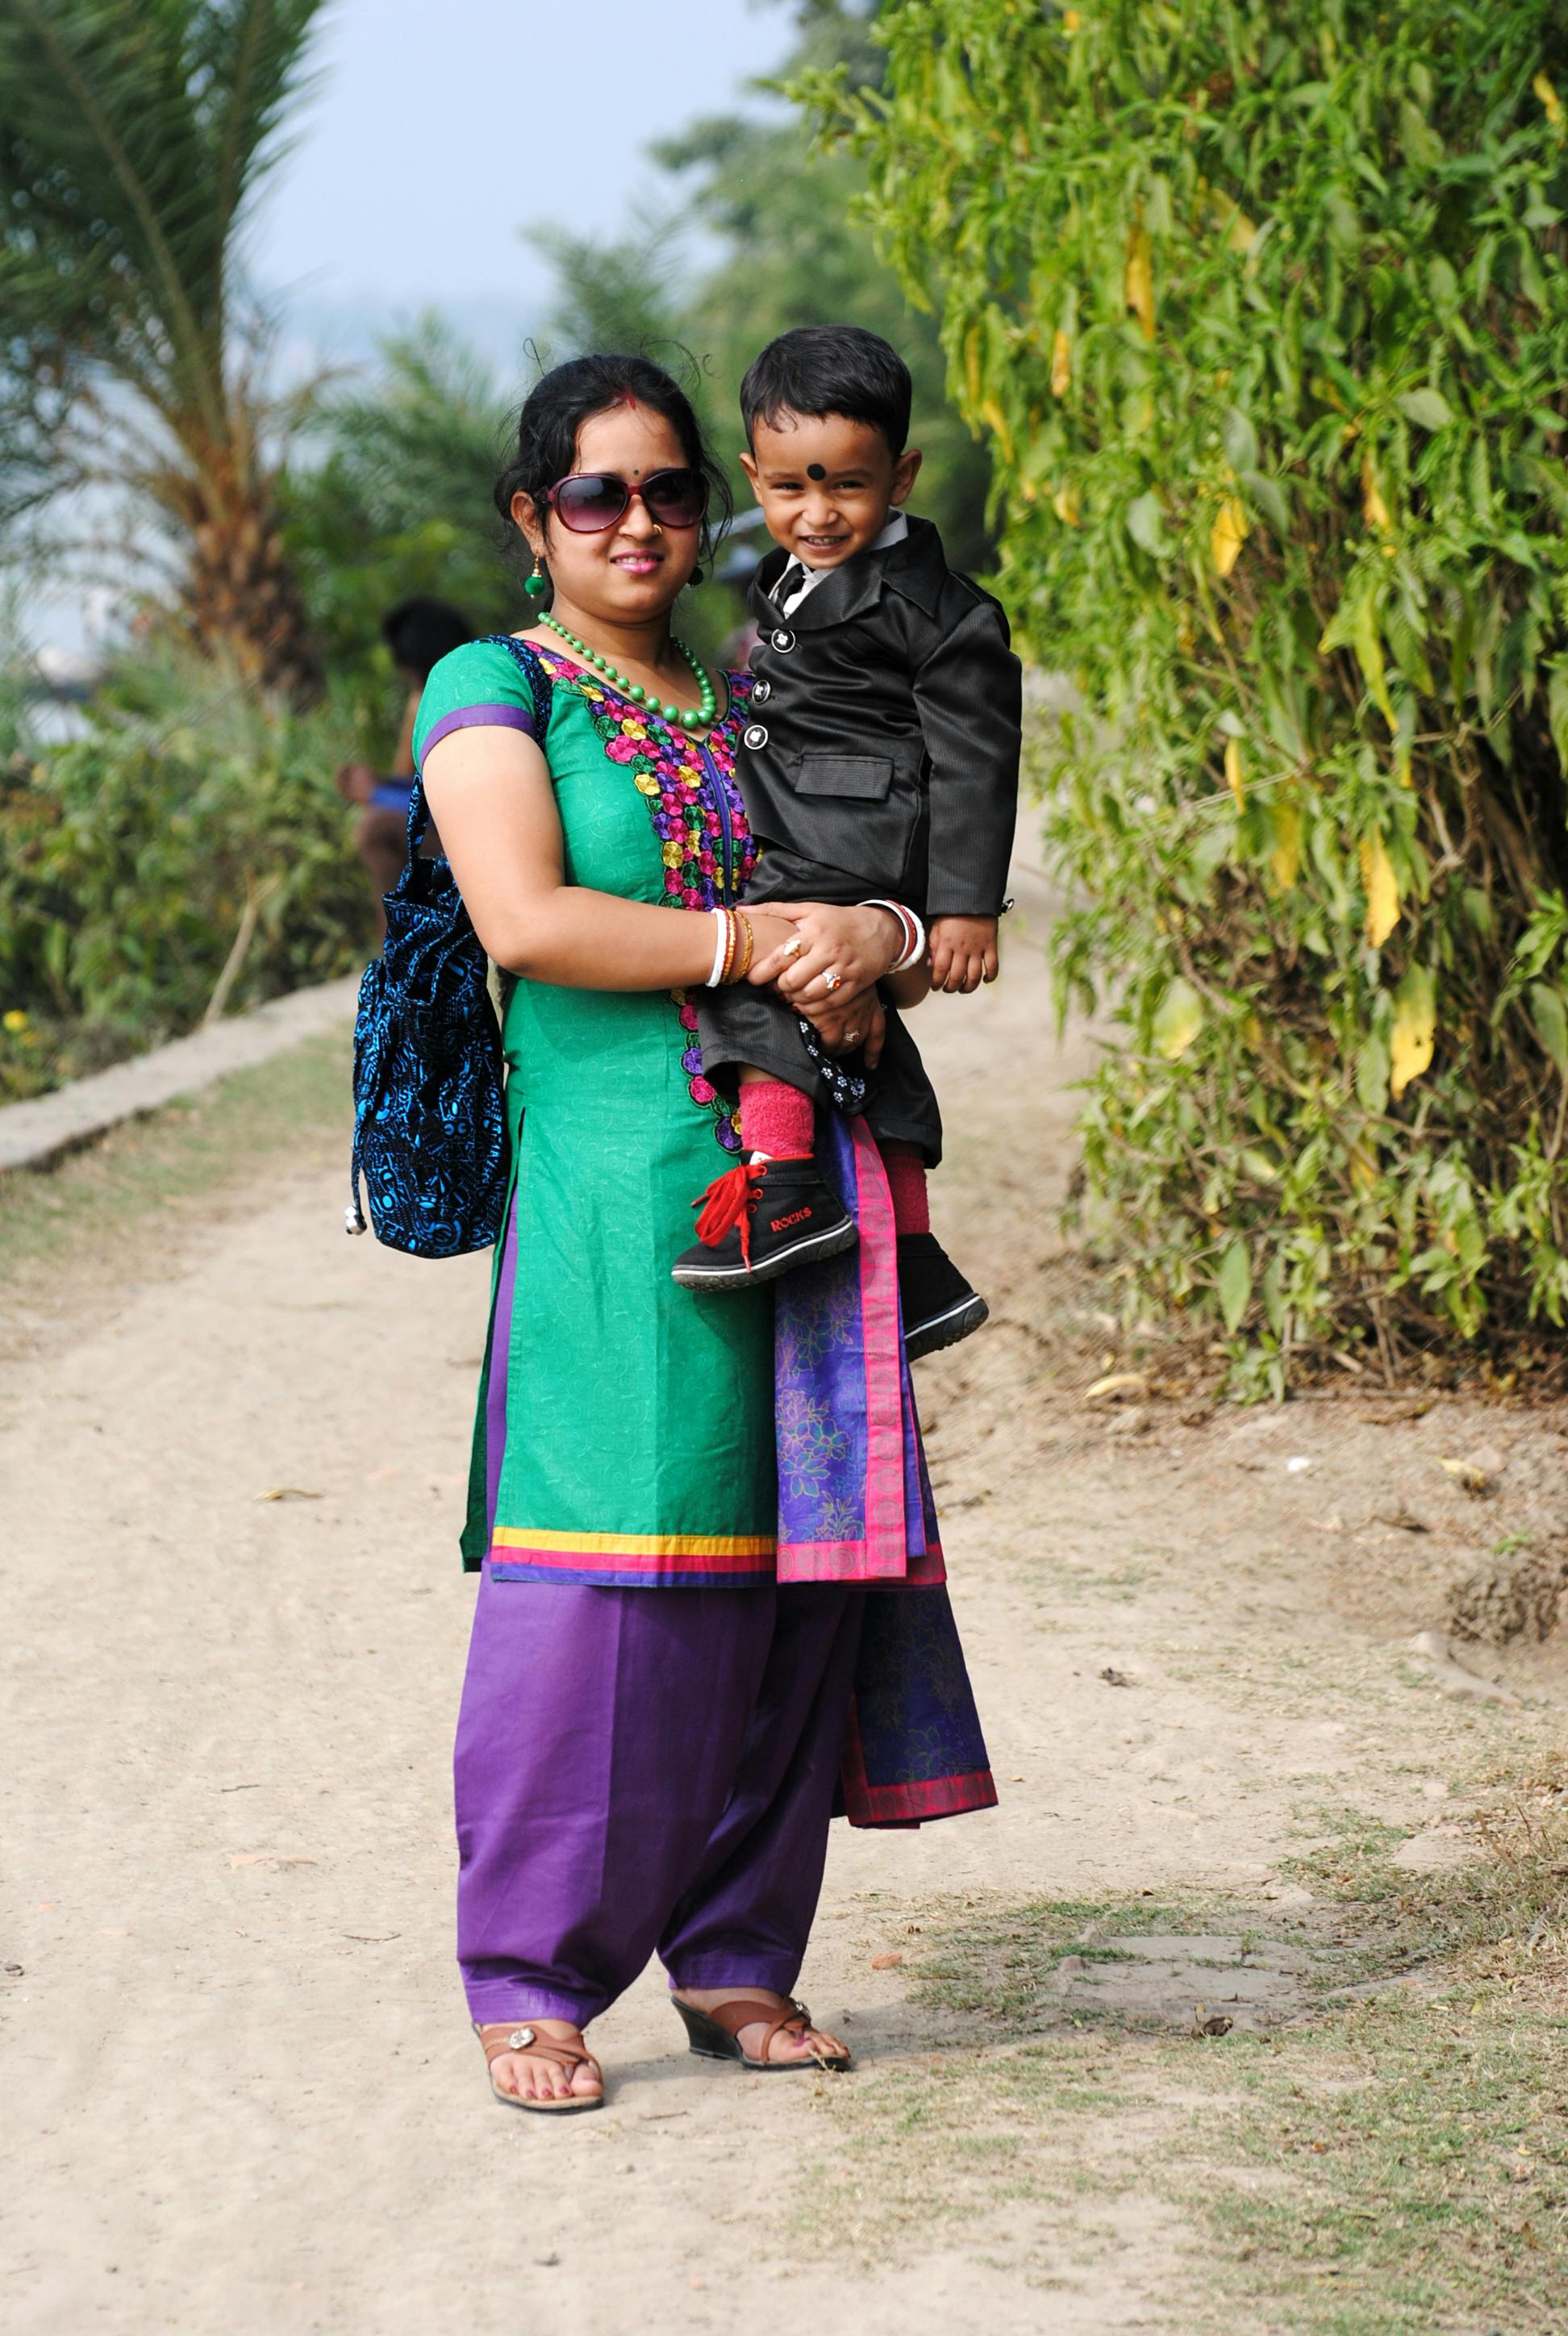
(816, 471)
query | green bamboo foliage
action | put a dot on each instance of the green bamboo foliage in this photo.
(1263, 308)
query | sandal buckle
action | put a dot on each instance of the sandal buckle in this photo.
(519, 2040)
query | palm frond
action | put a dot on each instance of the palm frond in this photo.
(133, 137)
(426, 436)
(612, 296)
(250, 59)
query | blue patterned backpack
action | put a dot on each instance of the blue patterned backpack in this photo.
(429, 1126)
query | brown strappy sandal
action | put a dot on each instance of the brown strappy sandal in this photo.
(503, 2035)
(715, 2035)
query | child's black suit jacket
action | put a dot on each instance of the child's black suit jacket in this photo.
(882, 751)
(880, 757)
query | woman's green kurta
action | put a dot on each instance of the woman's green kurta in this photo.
(637, 1419)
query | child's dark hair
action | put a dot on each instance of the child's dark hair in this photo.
(569, 395)
(830, 369)
(420, 632)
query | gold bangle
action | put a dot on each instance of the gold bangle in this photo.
(731, 937)
(748, 945)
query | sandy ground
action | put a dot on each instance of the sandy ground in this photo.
(242, 2092)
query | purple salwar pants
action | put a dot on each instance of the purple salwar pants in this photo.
(641, 1770)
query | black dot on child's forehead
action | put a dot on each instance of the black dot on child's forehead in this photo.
(816, 471)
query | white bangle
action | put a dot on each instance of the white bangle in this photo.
(913, 931)
(721, 945)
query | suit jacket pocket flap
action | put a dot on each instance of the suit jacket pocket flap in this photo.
(867, 776)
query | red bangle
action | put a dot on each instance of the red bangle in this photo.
(909, 929)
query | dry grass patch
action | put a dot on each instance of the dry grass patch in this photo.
(1392, 2161)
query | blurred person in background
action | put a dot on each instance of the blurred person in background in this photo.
(419, 633)
(748, 543)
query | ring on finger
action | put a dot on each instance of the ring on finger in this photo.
(794, 948)
(833, 981)
(851, 1038)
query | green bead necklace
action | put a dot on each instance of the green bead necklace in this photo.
(690, 718)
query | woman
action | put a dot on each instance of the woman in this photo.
(660, 1684)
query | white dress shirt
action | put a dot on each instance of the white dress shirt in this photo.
(798, 580)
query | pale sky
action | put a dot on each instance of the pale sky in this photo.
(442, 126)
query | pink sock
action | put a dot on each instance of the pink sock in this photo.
(907, 1180)
(776, 1119)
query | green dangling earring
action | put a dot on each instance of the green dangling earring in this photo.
(538, 582)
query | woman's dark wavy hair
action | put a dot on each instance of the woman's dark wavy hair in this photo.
(556, 409)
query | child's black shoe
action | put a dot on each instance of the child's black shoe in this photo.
(939, 1306)
(761, 1219)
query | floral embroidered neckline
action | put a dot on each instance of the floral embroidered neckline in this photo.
(681, 778)
(596, 689)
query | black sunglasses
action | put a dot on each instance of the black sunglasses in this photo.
(590, 500)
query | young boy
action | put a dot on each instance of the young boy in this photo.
(880, 764)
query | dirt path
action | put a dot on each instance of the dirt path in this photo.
(244, 2096)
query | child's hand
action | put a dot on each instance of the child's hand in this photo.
(963, 953)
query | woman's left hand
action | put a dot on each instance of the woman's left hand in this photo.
(833, 951)
(861, 1023)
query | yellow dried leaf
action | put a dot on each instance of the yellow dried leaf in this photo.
(1071, 20)
(974, 340)
(1064, 504)
(1382, 890)
(1061, 363)
(1235, 778)
(1415, 1027)
(1242, 231)
(1363, 1169)
(1374, 509)
(1285, 860)
(1140, 280)
(1119, 1386)
(1179, 1020)
(1227, 536)
(1550, 100)
(997, 422)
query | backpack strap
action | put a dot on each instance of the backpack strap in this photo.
(542, 689)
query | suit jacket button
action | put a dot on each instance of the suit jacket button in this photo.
(755, 736)
(782, 640)
(761, 693)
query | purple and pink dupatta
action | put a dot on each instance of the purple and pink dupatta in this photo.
(855, 1505)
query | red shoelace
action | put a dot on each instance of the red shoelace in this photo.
(729, 1200)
